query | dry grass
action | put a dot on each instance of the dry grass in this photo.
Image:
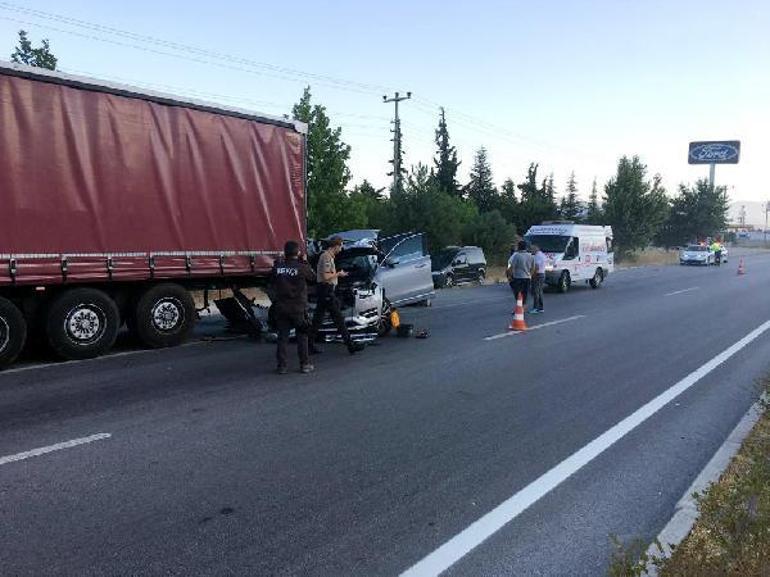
(651, 257)
(731, 537)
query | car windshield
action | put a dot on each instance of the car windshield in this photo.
(549, 242)
(356, 263)
(442, 259)
(697, 248)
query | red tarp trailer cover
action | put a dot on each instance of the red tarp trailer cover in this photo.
(100, 183)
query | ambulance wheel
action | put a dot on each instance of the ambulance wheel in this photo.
(564, 282)
(13, 332)
(597, 279)
(82, 323)
(164, 316)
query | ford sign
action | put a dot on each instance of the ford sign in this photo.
(721, 152)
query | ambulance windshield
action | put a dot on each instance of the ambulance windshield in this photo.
(548, 242)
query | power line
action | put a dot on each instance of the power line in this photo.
(190, 49)
(240, 64)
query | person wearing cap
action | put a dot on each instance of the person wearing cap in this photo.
(288, 290)
(327, 277)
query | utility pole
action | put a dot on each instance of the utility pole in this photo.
(396, 140)
(767, 210)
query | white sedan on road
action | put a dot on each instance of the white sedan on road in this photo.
(697, 254)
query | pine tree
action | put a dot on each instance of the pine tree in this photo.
(594, 211)
(327, 170)
(446, 162)
(537, 203)
(509, 203)
(570, 208)
(633, 206)
(481, 188)
(25, 53)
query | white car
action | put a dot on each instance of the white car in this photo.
(697, 254)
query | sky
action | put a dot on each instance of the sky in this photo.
(571, 85)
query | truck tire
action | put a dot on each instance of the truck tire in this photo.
(13, 332)
(564, 282)
(82, 323)
(164, 316)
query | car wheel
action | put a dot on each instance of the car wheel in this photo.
(385, 326)
(482, 276)
(82, 323)
(13, 332)
(597, 279)
(564, 282)
(164, 316)
(449, 282)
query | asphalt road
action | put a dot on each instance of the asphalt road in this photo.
(216, 466)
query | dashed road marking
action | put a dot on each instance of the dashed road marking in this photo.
(534, 328)
(52, 448)
(687, 290)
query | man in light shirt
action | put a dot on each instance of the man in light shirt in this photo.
(538, 280)
(521, 266)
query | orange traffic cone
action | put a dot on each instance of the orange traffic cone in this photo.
(518, 323)
(741, 268)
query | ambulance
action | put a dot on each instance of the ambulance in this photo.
(574, 252)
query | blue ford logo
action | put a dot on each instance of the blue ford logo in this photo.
(714, 152)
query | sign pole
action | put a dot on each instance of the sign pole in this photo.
(712, 171)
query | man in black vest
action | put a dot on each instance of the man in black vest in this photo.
(288, 283)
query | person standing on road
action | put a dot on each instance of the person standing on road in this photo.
(521, 267)
(716, 248)
(538, 280)
(288, 290)
(326, 299)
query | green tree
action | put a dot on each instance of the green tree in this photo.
(594, 209)
(633, 206)
(509, 203)
(329, 207)
(423, 206)
(481, 188)
(537, 203)
(25, 53)
(370, 207)
(492, 232)
(570, 207)
(697, 212)
(446, 163)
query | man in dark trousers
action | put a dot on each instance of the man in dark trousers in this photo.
(288, 282)
(326, 300)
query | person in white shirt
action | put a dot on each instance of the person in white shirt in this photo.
(538, 280)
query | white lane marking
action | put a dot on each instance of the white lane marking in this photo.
(104, 357)
(464, 542)
(534, 328)
(51, 448)
(687, 290)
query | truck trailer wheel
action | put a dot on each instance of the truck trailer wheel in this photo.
(164, 316)
(82, 323)
(13, 332)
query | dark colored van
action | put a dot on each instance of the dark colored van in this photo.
(458, 264)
